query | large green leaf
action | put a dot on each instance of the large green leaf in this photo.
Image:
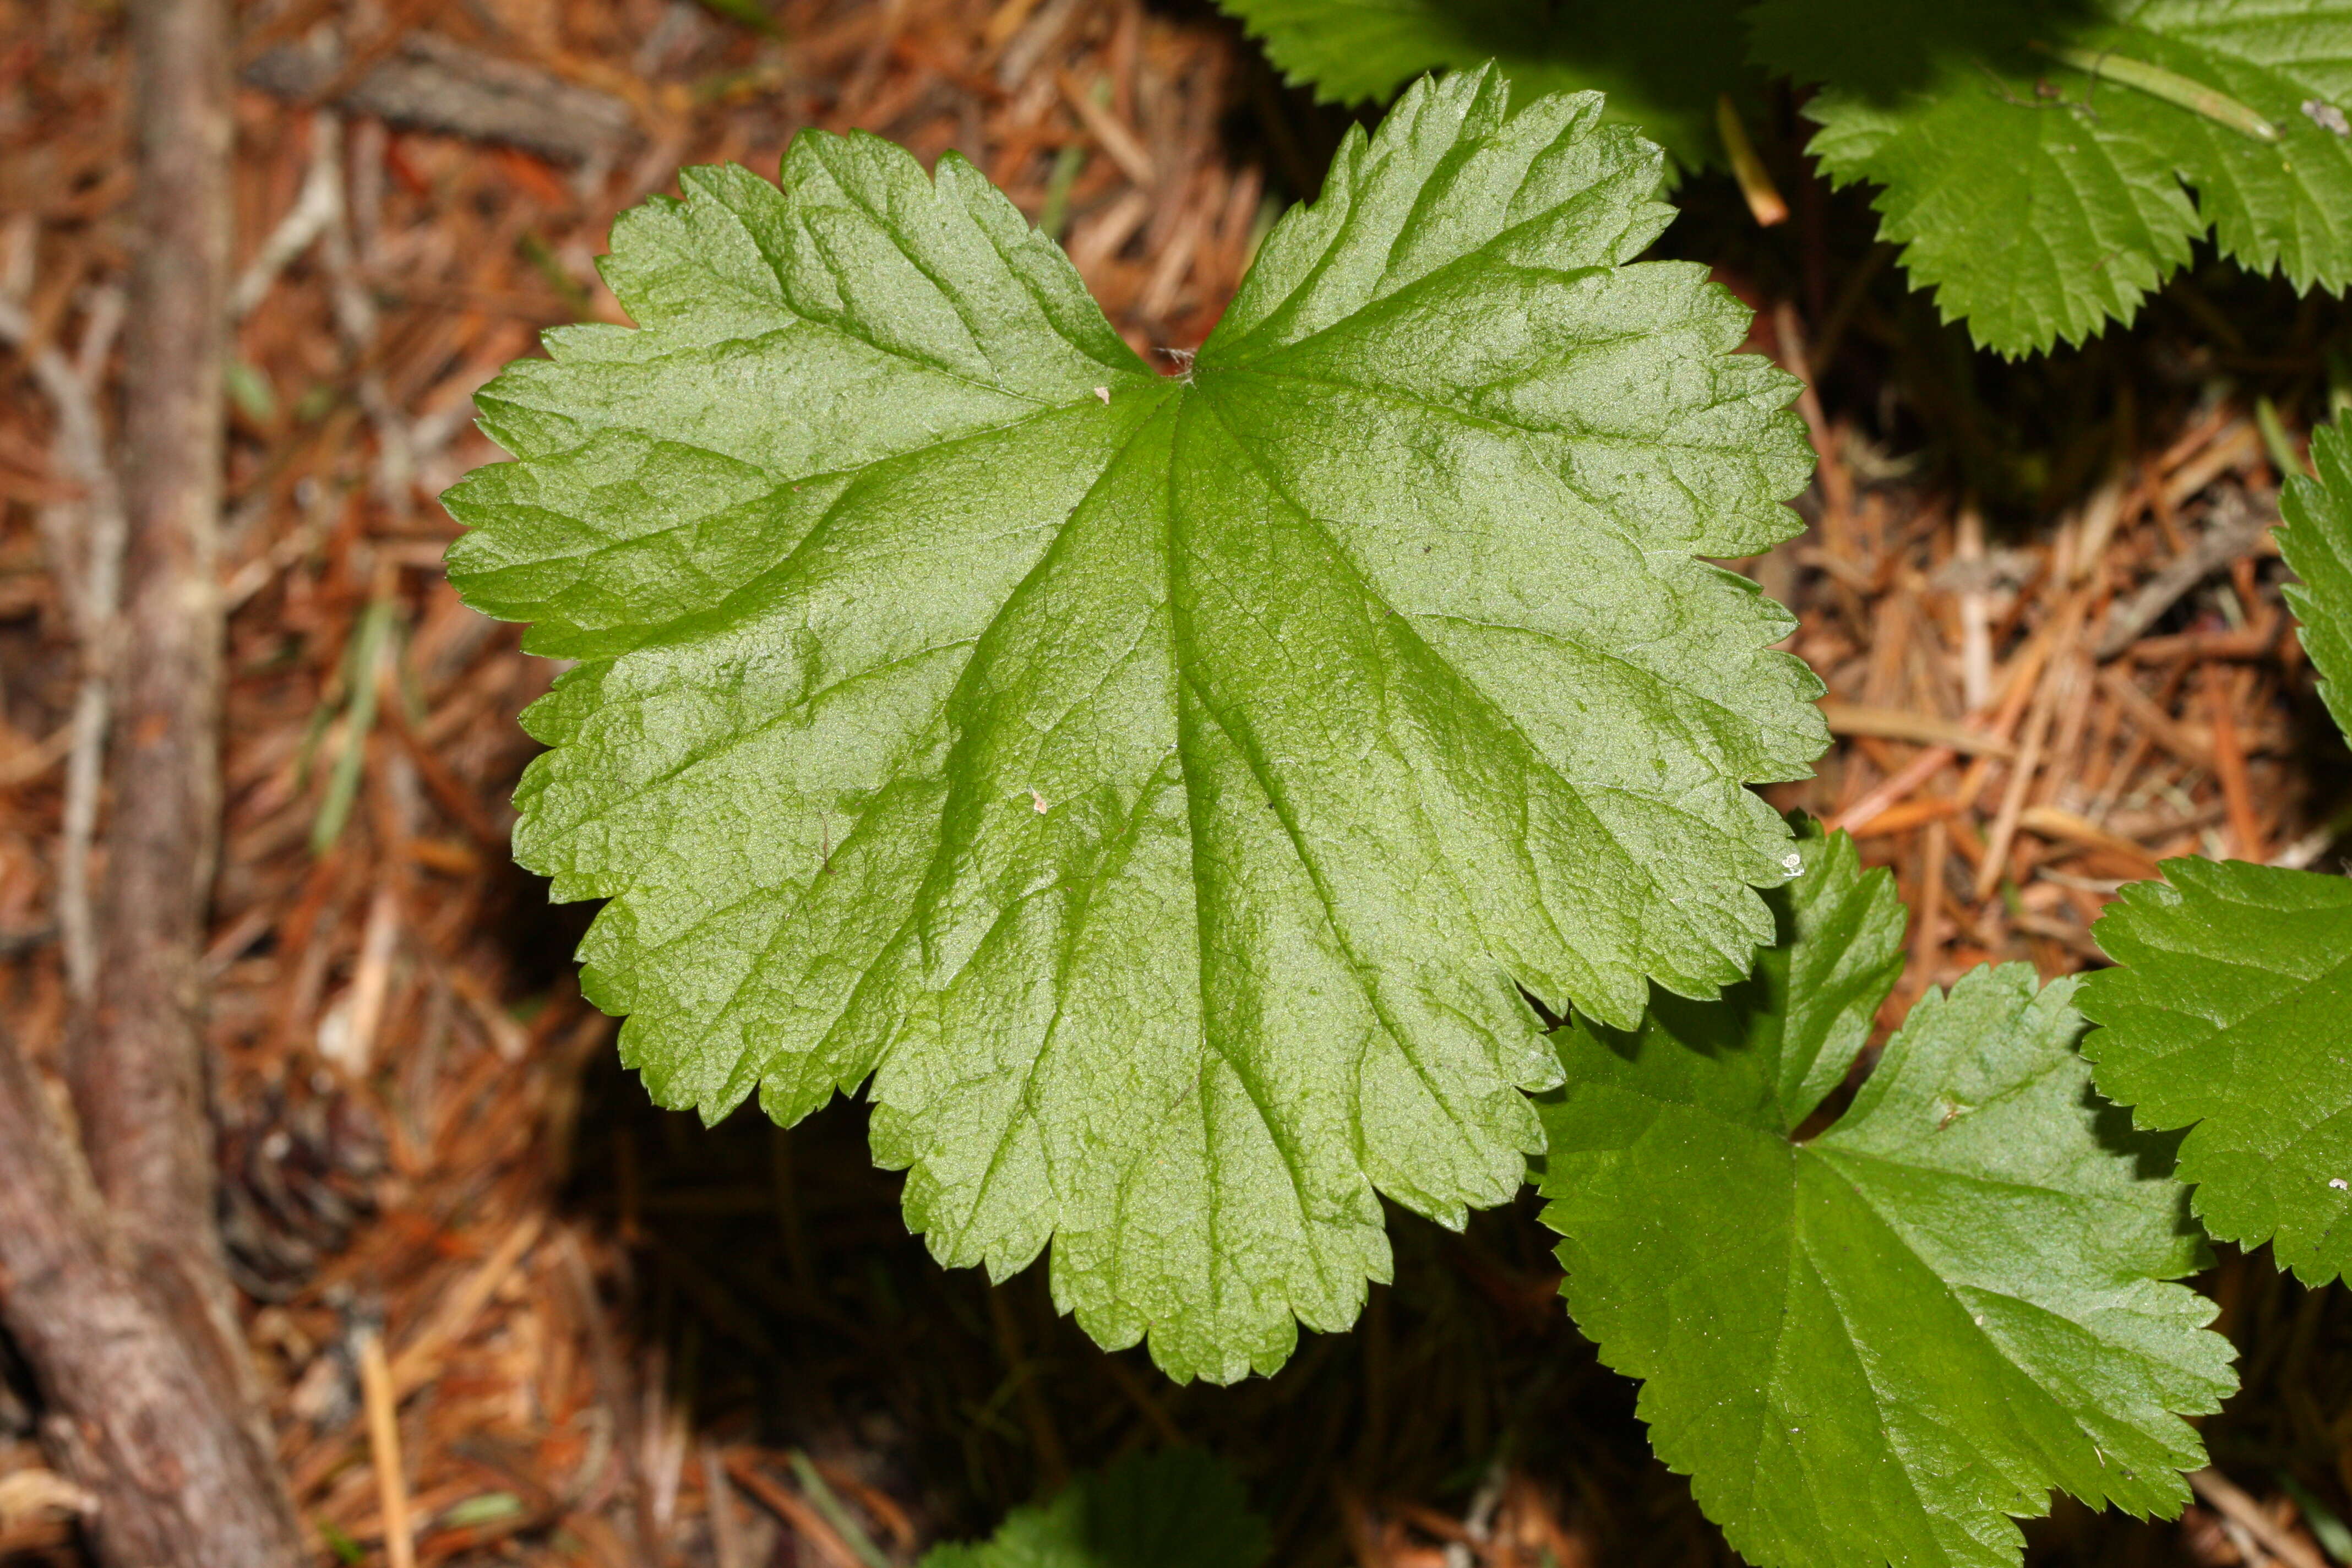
(1179, 1509)
(2230, 1012)
(1162, 787)
(2040, 200)
(1662, 64)
(1877, 1345)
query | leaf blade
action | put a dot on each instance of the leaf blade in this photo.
(1968, 1269)
(2041, 201)
(2225, 1014)
(1159, 789)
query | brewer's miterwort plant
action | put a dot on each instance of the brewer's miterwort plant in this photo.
(1160, 788)
(1165, 796)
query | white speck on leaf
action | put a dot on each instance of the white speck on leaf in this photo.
(1037, 802)
(2340, 1184)
(1103, 392)
(2327, 116)
(1792, 862)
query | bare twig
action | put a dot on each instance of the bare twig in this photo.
(2099, 516)
(355, 322)
(2055, 687)
(86, 536)
(316, 205)
(1994, 869)
(146, 1281)
(141, 1418)
(1901, 725)
(435, 83)
(1976, 616)
(2232, 1503)
(1110, 133)
(351, 1046)
(613, 1388)
(383, 1451)
(805, 1522)
(728, 1549)
(137, 1072)
(2070, 828)
(1899, 788)
(2237, 529)
(2229, 767)
(1927, 937)
(419, 1360)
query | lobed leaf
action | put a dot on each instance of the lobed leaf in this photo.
(1881, 1344)
(2230, 1013)
(1163, 790)
(2040, 198)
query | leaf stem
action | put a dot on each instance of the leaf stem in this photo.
(1764, 200)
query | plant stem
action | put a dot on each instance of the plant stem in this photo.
(2170, 86)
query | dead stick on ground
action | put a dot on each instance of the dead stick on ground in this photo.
(1995, 870)
(1928, 729)
(1976, 616)
(198, 1483)
(318, 203)
(726, 1546)
(806, 1523)
(1927, 937)
(2233, 1504)
(2025, 670)
(137, 1072)
(355, 321)
(613, 1388)
(383, 1450)
(87, 536)
(139, 1413)
(419, 1360)
(2237, 529)
(2230, 766)
(1915, 773)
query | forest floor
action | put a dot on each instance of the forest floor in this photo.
(2041, 598)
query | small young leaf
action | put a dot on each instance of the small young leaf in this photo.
(1179, 1509)
(1663, 66)
(1877, 1345)
(1162, 788)
(2035, 174)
